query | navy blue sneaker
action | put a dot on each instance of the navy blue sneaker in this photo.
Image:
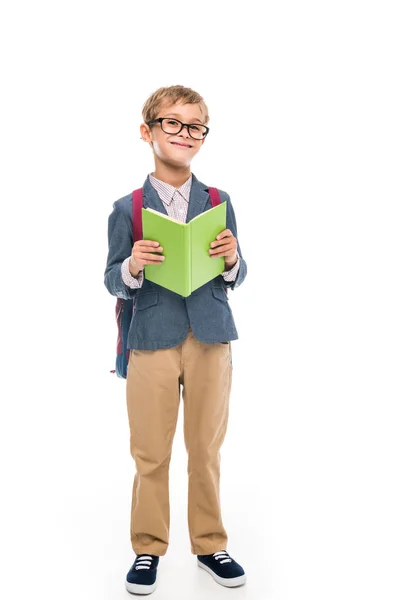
(223, 568)
(142, 575)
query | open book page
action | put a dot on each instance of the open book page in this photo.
(177, 220)
(204, 213)
(203, 232)
(165, 216)
(173, 236)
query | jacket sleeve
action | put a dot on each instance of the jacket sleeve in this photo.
(231, 224)
(120, 242)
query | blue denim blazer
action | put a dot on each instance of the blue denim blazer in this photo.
(161, 318)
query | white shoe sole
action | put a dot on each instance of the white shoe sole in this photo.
(227, 582)
(136, 588)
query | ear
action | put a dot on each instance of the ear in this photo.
(145, 132)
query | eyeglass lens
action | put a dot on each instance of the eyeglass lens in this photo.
(172, 126)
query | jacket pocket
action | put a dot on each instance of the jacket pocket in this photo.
(220, 294)
(146, 300)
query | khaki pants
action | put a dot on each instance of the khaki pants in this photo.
(153, 396)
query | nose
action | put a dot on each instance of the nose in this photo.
(183, 131)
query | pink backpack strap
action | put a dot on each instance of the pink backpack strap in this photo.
(137, 205)
(214, 195)
(215, 200)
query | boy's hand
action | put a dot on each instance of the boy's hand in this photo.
(225, 245)
(141, 255)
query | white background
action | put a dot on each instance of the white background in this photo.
(304, 118)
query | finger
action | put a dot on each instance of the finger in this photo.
(149, 245)
(225, 250)
(221, 254)
(221, 238)
(221, 245)
(225, 233)
(153, 257)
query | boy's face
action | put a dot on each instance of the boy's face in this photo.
(165, 145)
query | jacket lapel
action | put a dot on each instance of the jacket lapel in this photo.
(151, 199)
(197, 200)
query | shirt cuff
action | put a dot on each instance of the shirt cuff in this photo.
(231, 274)
(128, 278)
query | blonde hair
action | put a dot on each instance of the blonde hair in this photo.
(172, 95)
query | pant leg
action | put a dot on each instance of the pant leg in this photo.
(207, 378)
(153, 395)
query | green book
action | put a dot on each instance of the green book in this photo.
(188, 264)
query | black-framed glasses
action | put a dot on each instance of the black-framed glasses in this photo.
(173, 126)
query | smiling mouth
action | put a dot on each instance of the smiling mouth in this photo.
(181, 145)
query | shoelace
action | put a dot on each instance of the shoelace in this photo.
(143, 562)
(222, 557)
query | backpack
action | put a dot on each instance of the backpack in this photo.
(124, 308)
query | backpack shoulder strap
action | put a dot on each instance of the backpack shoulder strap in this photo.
(215, 200)
(214, 195)
(137, 205)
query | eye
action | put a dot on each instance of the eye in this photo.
(195, 127)
(172, 122)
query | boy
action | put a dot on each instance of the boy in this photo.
(176, 341)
